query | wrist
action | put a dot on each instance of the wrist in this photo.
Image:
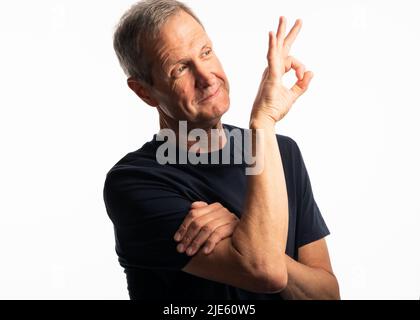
(261, 122)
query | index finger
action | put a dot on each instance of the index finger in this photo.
(291, 36)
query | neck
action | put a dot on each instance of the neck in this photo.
(210, 138)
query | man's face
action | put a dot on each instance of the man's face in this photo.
(189, 81)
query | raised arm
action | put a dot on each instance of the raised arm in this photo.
(254, 257)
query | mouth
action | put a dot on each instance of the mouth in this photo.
(212, 96)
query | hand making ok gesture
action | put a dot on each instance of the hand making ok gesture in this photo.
(274, 100)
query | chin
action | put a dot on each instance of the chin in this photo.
(212, 116)
(217, 110)
(220, 105)
(214, 109)
(222, 110)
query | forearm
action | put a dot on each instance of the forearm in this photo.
(306, 282)
(261, 234)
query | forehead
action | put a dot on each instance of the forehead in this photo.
(178, 37)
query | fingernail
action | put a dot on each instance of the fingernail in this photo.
(177, 236)
(206, 250)
(180, 248)
(189, 251)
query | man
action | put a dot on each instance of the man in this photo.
(206, 231)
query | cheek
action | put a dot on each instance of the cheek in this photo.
(184, 92)
(221, 73)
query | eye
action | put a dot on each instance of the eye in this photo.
(207, 52)
(181, 68)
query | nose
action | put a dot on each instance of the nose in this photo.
(204, 76)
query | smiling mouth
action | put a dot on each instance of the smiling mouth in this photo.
(214, 95)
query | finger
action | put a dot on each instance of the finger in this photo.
(200, 238)
(291, 36)
(193, 230)
(196, 225)
(193, 214)
(302, 85)
(208, 229)
(271, 52)
(281, 31)
(198, 204)
(273, 63)
(218, 235)
(295, 64)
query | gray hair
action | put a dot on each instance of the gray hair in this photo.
(136, 31)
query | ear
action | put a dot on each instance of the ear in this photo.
(142, 90)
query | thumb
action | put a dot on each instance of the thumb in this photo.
(301, 85)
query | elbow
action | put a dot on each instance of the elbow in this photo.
(335, 290)
(274, 280)
(268, 278)
(262, 274)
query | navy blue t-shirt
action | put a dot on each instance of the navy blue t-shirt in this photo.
(147, 202)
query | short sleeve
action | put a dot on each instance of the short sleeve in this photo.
(146, 213)
(310, 225)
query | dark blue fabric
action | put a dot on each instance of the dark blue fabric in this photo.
(147, 202)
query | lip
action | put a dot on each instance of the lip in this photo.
(214, 95)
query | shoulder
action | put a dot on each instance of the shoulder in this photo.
(138, 168)
(134, 187)
(288, 146)
(287, 143)
(132, 163)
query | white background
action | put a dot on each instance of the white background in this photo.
(67, 117)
